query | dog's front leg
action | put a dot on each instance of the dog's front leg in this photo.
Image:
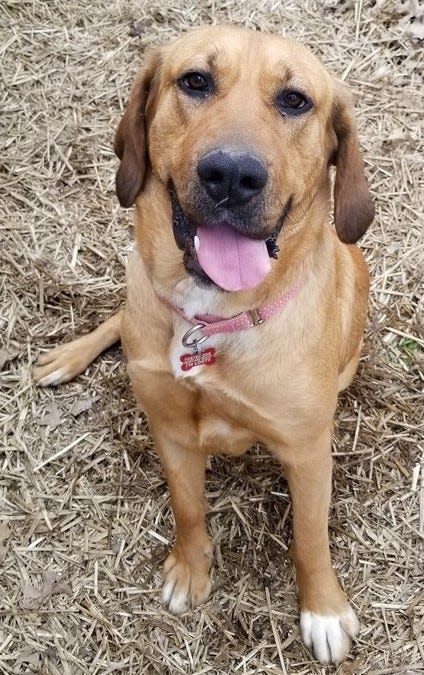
(327, 621)
(186, 570)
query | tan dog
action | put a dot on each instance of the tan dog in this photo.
(225, 149)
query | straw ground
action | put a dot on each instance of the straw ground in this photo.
(85, 516)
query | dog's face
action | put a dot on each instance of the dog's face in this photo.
(241, 128)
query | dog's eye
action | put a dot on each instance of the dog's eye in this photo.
(197, 85)
(292, 102)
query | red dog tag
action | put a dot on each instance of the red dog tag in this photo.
(204, 358)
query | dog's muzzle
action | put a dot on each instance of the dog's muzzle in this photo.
(217, 252)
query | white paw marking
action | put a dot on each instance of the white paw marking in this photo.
(56, 377)
(329, 636)
(176, 601)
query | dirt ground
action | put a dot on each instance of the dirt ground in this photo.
(85, 519)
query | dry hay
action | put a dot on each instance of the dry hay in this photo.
(85, 513)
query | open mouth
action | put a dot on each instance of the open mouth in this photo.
(217, 253)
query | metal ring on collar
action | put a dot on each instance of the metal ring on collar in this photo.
(195, 341)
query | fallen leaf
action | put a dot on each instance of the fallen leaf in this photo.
(52, 584)
(28, 655)
(31, 597)
(136, 29)
(52, 418)
(5, 533)
(398, 137)
(81, 406)
(7, 355)
(350, 668)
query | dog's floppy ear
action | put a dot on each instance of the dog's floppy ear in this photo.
(353, 206)
(130, 139)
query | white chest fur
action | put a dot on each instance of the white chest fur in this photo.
(192, 300)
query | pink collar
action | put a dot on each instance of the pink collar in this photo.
(209, 325)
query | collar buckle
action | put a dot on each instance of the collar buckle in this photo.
(255, 317)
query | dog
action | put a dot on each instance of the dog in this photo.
(245, 307)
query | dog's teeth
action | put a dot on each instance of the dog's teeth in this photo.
(196, 243)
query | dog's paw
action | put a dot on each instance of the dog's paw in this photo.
(185, 585)
(329, 636)
(61, 364)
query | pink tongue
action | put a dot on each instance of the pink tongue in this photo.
(232, 261)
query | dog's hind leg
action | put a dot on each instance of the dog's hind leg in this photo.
(347, 375)
(65, 362)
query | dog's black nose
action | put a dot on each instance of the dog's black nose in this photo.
(232, 176)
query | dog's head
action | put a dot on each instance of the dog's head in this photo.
(241, 128)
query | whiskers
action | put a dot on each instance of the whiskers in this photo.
(218, 204)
